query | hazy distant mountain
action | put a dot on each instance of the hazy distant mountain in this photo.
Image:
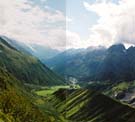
(41, 52)
(113, 64)
(18, 45)
(79, 63)
(93, 63)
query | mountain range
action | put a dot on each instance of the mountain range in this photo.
(20, 103)
(115, 63)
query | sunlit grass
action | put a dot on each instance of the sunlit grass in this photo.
(49, 90)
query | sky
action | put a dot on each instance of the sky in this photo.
(64, 24)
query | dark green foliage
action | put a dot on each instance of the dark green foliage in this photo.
(26, 67)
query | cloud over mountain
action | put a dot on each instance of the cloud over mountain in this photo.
(116, 22)
(43, 24)
(30, 23)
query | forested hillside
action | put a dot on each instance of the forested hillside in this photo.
(26, 67)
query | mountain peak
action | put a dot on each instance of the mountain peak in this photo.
(117, 48)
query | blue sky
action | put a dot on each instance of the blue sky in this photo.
(75, 10)
(64, 24)
(82, 19)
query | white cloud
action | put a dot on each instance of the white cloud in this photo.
(73, 40)
(20, 20)
(68, 19)
(116, 22)
(29, 23)
(64, 39)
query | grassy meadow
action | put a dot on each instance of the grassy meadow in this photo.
(46, 91)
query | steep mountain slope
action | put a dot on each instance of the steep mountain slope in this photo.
(17, 45)
(15, 103)
(89, 106)
(26, 67)
(116, 65)
(131, 59)
(41, 52)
